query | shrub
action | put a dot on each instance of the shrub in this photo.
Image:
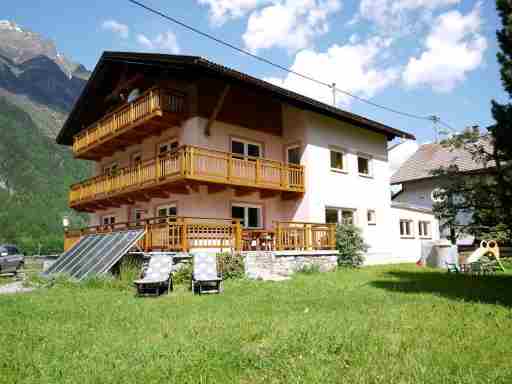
(182, 275)
(231, 265)
(350, 245)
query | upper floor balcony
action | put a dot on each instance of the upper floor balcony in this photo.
(153, 111)
(183, 170)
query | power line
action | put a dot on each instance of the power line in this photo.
(269, 62)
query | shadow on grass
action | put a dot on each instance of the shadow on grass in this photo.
(483, 289)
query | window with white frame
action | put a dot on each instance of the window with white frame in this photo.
(166, 210)
(250, 216)
(364, 165)
(245, 148)
(108, 219)
(167, 146)
(406, 228)
(371, 217)
(137, 214)
(424, 228)
(340, 215)
(337, 160)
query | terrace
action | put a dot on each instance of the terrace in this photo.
(181, 234)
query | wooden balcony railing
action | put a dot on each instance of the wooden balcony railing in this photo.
(174, 233)
(154, 102)
(196, 164)
(300, 235)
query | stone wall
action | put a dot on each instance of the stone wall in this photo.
(274, 265)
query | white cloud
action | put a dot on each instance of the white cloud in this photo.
(223, 10)
(290, 24)
(353, 67)
(399, 16)
(162, 42)
(453, 48)
(116, 27)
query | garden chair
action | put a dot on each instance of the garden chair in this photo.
(476, 268)
(205, 276)
(157, 277)
(452, 268)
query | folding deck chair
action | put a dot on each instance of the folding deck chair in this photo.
(157, 277)
(205, 277)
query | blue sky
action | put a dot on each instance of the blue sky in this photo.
(421, 56)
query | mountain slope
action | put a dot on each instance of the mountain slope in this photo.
(38, 87)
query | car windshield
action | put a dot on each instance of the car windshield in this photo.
(9, 249)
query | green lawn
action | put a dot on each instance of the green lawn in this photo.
(396, 324)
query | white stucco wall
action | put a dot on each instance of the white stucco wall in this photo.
(408, 249)
(327, 188)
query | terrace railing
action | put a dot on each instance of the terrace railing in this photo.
(176, 233)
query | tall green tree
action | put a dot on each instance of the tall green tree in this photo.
(481, 203)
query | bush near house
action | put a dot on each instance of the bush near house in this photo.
(350, 245)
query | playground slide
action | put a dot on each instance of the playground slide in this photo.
(477, 255)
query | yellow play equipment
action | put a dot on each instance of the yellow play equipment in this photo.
(488, 249)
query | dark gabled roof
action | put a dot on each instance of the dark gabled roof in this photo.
(430, 157)
(72, 126)
(410, 207)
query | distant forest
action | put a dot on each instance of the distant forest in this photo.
(35, 175)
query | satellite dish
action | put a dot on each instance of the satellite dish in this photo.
(434, 195)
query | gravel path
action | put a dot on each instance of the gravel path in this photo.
(16, 287)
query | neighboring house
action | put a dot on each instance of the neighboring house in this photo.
(415, 178)
(182, 136)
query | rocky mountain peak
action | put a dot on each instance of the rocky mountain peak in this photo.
(20, 44)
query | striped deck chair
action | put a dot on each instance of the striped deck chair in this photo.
(157, 277)
(205, 277)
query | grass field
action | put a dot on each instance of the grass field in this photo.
(396, 324)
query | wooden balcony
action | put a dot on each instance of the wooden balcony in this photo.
(149, 114)
(181, 172)
(175, 233)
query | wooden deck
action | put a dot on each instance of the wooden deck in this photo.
(182, 234)
(156, 109)
(181, 172)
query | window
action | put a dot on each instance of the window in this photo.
(245, 148)
(167, 147)
(166, 210)
(340, 215)
(371, 217)
(111, 169)
(137, 215)
(406, 228)
(108, 220)
(293, 154)
(363, 166)
(136, 158)
(337, 160)
(250, 216)
(424, 228)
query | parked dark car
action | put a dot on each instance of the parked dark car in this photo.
(11, 259)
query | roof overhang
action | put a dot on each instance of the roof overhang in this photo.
(201, 65)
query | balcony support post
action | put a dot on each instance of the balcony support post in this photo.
(216, 110)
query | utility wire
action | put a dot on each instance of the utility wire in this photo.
(267, 61)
